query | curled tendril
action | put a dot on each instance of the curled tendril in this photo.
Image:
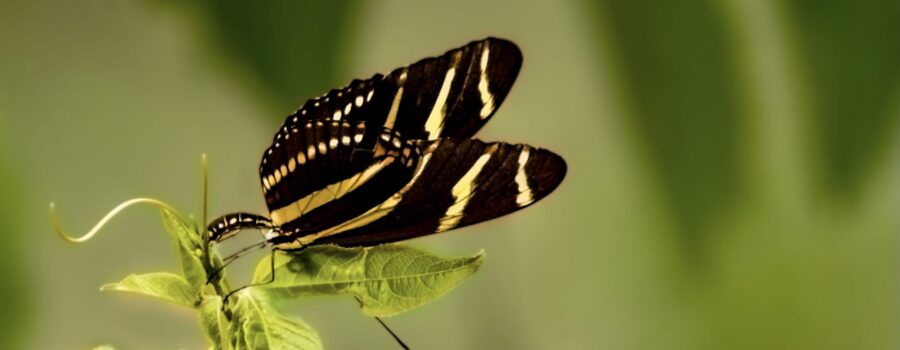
(112, 213)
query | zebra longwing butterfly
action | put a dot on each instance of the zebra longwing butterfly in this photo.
(392, 158)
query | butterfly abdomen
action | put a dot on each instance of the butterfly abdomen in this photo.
(230, 224)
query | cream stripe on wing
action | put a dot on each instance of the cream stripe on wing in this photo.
(395, 106)
(462, 193)
(331, 192)
(486, 98)
(525, 195)
(435, 121)
(373, 214)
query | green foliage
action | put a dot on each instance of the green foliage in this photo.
(258, 325)
(213, 321)
(850, 54)
(685, 112)
(161, 285)
(387, 279)
(189, 246)
(793, 194)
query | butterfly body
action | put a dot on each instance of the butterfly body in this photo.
(392, 158)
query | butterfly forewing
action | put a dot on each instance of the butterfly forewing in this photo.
(448, 96)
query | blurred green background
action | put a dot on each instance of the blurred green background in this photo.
(733, 165)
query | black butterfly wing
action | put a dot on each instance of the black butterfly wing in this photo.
(458, 183)
(448, 96)
(388, 158)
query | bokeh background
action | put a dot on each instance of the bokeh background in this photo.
(733, 165)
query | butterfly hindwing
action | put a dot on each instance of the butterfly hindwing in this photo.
(448, 96)
(458, 183)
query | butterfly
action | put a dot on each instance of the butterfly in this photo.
(393, 157)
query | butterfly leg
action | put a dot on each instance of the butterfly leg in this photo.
(231, 258)
(271, 277)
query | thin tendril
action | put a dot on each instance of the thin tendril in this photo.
(112, 213)
(205, 171)
(396, 337)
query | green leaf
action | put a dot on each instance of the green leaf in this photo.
(161, 285)
(105, 347)
(855, 119)
(689, 131)
(189, 246)
(214, 323)
(259, 326)
(387, 279)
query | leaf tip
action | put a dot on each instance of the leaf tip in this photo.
(478, 258)
(109, 287)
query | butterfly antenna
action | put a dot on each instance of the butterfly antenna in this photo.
(388, 329)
